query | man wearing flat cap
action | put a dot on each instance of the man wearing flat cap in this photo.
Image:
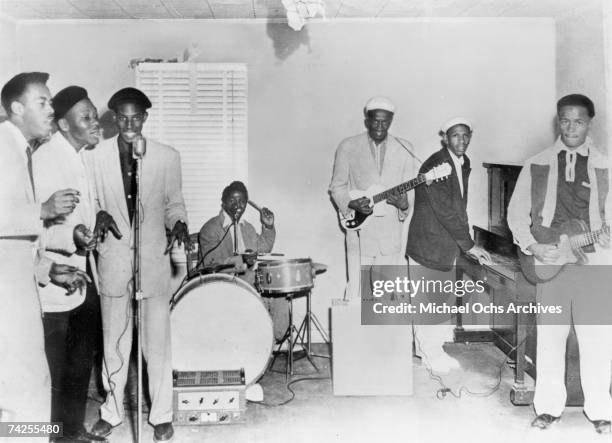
(372, 158)
(71, 323)
(439, 231)
(114, 167)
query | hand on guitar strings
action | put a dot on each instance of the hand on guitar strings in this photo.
(544, 253)
(400, 201)
(604, 238)
(480, 254)
(361, 205)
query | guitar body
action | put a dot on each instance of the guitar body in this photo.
(359, 220)
(538, 272)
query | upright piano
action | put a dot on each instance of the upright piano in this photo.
(514, 334)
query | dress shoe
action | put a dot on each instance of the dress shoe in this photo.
(602, 426)
(102, 428)
(163, 432)
(543, 421)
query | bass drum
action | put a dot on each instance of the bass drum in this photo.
(220, 323)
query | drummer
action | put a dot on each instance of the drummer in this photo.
(218, 246)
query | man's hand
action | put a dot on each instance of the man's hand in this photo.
(104, 223)
(267, 218)
(544, 253)
(480, 254)
(180, 233)
(400, 201)
(84, 239)
(604, 237)
(361, 205)
(68, 277)
(60, 203)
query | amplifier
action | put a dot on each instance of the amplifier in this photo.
(209, 397)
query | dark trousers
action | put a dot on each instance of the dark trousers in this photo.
(70, 341)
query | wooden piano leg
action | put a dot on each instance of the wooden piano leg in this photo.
(520, 394)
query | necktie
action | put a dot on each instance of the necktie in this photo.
(570, 166)
(29, 154)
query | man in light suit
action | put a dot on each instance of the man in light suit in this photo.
(113, 168)
(71, 324)
(25, 391)
(373, 158)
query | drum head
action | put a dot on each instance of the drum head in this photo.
(220, 323)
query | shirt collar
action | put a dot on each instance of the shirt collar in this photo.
(380, 145)
(22, 143)
(583, 149)
(457, 160)
(226, 219)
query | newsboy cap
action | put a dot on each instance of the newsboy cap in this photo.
(129, 95)
(380, 102)
(66, 99)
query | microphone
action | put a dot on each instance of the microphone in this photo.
(139, 147)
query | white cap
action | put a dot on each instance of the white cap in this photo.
(379, 103)
(456, 121)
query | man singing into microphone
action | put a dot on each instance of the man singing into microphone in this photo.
(113, 165)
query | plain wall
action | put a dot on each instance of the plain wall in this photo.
(581, 62)
(307, 90)
(9, 64)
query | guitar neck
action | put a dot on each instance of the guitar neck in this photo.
(588, 238)
(404, 187)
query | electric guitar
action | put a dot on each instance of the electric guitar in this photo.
(569, 239)
(378, 195)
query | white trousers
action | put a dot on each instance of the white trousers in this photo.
(355, 260)
(578, 295)
(25, 384)
(117, 323)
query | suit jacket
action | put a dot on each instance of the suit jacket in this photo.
(355, 168)
(439, 228)
(212, 232)
(162, 206)
(20, 223)
(56, 166)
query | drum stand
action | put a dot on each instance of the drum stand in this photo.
(302, 334)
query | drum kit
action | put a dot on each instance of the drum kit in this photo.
(219, 321)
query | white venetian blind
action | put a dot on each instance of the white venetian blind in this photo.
(200, 109)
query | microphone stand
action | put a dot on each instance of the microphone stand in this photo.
(138, 292)
(235, 234)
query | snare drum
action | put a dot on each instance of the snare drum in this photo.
(220, 323)
(284, 276)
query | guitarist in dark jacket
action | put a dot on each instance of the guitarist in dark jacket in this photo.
(439, 231)
(567, 184)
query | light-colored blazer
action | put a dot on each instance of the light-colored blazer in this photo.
(162, 205)
(355, 168)
(57, 166)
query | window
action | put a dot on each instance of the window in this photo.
(200, 109)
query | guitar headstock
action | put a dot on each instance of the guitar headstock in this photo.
(438, 173)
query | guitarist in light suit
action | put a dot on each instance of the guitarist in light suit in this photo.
(565, 182)
(373, 158)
